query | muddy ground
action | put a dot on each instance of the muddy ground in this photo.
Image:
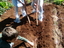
(42, 34)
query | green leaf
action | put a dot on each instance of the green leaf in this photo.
(6, 7)
(2, 10)
(2, 4)
(28, 1)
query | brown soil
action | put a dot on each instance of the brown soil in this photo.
(41, 33)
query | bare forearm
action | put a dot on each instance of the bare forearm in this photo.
(24, 39)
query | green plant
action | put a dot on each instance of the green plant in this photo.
(58, 2)
(28, 1)
(4, 5)
(3, 0)
(2, 10)
(48, 1)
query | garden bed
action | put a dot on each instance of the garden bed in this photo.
(43, 33)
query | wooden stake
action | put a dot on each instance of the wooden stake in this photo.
(36, 14)
(26, 12)
(36, 18)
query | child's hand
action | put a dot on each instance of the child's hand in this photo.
(35, 4)
(11, 44)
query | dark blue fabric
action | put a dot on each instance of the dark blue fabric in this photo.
(4, 44)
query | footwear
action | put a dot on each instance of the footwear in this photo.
(33, 11)
(40, 17)
(17, 20)
(24, 13)
(17, 16)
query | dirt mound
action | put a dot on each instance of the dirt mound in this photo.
(43, 33)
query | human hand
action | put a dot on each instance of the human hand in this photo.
(11, 44)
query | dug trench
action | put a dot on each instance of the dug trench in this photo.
(48, 34)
